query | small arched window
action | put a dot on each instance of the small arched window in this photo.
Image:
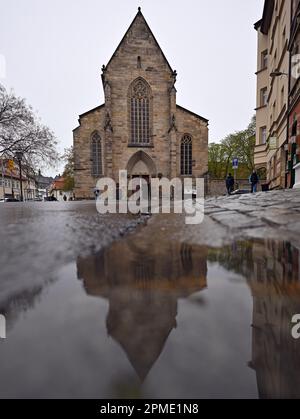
(186, 156)
(140, 102)
(96, 154)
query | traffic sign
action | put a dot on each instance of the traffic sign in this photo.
(235, 163)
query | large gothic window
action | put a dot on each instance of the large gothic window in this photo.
(186, 156)
(96, 154)
(140, 103)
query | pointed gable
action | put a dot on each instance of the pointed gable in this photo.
(138, 35)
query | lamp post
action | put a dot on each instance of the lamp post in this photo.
(19, 157)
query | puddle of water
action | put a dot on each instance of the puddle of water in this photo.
(160, 319)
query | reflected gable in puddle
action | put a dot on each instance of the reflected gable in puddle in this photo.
(143, 285)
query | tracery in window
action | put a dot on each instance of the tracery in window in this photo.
(140, 102)
(186, 156)
(96, 154)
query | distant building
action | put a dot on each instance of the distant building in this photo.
(271, 150)
(43, 185)
(57, 189)
(10, 186)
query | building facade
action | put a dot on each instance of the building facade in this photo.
(57, 190)
(273, 32)
(10, 184)
(43, 185)
(139, 128)
(293, 160)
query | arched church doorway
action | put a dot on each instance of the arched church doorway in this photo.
(141, 166)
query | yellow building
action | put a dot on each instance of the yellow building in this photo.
(10, 185)
(273, 32)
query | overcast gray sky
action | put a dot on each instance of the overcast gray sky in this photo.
(54, 51)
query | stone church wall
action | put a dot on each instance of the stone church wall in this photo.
(138, 57)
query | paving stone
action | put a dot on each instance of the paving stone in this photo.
(273, 215)
(239, 207)
(282, 219)
(235, 220)
(215, 210)
(286, 205)
(294, 226)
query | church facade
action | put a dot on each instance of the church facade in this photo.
(139, 128)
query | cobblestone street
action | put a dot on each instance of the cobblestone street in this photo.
(273, 215)
(265, 215)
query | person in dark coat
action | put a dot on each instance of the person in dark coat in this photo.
(230, 184)
(254, 180)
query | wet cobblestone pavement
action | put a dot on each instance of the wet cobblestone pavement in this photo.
(169, 311)
(273, 215)
(37, 239)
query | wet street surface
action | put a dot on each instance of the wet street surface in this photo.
(160, 313)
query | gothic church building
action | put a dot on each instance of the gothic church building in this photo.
(140, 127)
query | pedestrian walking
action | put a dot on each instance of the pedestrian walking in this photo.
(254, 180)
(230, 184)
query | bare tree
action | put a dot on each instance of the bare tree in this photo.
(21, 130)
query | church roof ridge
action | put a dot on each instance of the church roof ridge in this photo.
(91, 110)
(139, 13)
(87, 113)
(193, 113)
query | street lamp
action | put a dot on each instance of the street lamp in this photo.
(19, 157)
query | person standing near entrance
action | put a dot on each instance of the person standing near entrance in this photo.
(254, 180)
(230, 184)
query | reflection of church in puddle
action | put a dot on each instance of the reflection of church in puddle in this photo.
(143, 289)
